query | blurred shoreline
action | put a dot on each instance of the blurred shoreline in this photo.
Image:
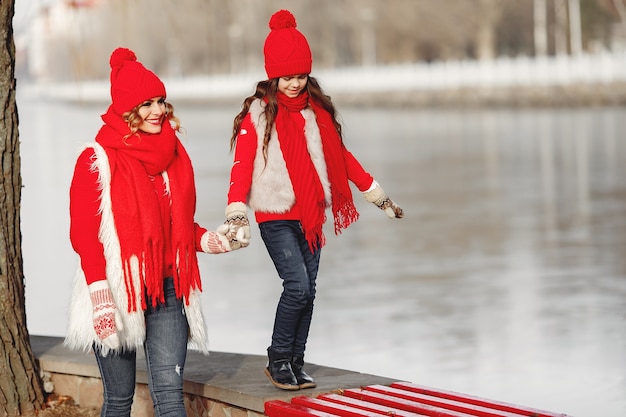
(209, 92)
(562, 81)
(590, 95)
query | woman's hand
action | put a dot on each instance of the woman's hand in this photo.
(106, 319)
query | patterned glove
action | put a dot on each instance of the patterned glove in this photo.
(217, 241)
(106, 319)
(239, 226)
(382, 201)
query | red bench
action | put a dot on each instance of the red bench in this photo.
(400, 399)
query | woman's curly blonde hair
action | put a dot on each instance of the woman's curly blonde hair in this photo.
(134, 120)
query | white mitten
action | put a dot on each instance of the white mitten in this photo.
(106, 319)
(217, 241)
(377, 196)
(239, 226)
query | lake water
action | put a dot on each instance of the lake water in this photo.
(506, 279)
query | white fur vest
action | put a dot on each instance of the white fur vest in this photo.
(271, 190)
(81, 334)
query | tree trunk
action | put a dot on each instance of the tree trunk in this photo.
(21, 389)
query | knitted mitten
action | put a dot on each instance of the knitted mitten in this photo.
(217, 241)
(377, 196)
(106, 320)
(239, 226)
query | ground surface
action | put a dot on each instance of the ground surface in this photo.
(62, 406)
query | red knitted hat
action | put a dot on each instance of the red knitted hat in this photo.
(131, 82)
(286, 50)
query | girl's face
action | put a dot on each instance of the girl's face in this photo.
(292, 85)
(152, 113)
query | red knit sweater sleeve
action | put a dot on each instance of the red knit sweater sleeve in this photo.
(85, 218)
(356, 173)
(199, 231)
(243, 162)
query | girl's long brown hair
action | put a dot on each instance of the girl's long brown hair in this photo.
(267, 89)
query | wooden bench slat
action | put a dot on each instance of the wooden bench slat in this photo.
(470, 399)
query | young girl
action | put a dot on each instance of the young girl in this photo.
(132, 206)
(290, 164)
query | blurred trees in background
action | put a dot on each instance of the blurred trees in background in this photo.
(199, 37)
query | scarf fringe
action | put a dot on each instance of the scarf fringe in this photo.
(186, 276)
(344, 213)
(314, 235)
(125, 277)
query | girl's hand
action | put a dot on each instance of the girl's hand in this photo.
(218, 241)
(239, 225)
(379, 198)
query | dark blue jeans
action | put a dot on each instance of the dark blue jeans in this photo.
(166, 352)
(297, 267)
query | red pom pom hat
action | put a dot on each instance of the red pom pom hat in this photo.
(286, 50)
(131, 82)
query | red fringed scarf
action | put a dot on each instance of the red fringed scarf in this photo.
(136, 207)
(307, 186)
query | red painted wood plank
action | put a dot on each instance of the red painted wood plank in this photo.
(342, 410)
(401, 399)
(496, 405)
(366, 405)
(407, 404)
(474, 410)
(278, 408)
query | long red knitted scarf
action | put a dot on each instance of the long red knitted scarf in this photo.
(136, 210)
(306, 184)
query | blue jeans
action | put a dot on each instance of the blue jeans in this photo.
(165, 349)
(297, 267)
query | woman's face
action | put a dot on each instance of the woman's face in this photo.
(292, 85)
(152, 113)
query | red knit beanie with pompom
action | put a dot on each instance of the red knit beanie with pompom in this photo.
(286, 50)
(131, 82)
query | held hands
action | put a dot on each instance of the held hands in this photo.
(218, 241)
(238, 225)
(382, 201)
(106, 319)
(232, 235)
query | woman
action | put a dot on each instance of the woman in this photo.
(132, 207)
(290, 164)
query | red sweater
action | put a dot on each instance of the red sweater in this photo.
(241, 172)
(85, 220)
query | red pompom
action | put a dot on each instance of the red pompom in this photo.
(282, 19)
(121, 55)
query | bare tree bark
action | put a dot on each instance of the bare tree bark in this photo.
(21, 390)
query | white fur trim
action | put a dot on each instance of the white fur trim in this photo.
(80, 334)
(198, 337)
(316, 149)
(271, 190)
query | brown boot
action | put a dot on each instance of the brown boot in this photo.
(304, 380)
(279, 371)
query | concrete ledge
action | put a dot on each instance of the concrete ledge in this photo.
(228, 379)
